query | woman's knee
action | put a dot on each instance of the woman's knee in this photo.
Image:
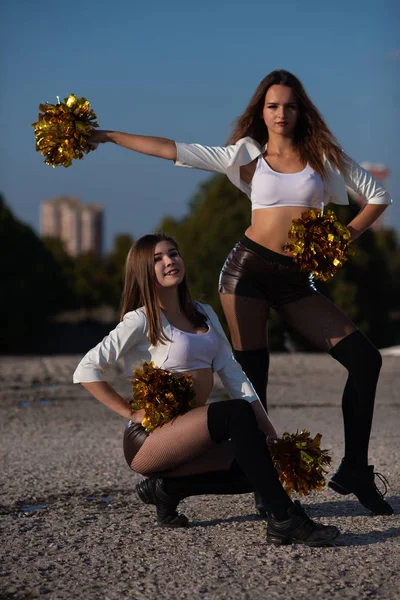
(357, 352)
(227, 416)
(237, 408)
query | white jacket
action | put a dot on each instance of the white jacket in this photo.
(229, 159)
(129, 341)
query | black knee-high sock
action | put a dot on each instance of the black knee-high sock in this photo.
(255, 363)
(363, 362)
(235, 420)
(230, 482)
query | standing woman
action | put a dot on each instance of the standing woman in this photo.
(218, 448)
(284, 157)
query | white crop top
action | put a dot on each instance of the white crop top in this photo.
(191, 351)
(270, 188)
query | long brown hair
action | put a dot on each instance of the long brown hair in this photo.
(140, 287)
(312, 136)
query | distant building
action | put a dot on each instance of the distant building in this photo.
(78, 225)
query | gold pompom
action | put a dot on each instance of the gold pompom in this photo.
(62, 130)
(161, 394)
(320, 243)
(300, 462)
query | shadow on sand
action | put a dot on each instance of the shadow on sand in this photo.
(346, 508)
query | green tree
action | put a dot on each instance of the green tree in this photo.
(33, 287)
(114, 266)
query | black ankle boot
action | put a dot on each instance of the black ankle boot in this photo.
(299, 528)
(151, 491)
(348, 480)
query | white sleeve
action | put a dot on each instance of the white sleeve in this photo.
(206, 158)
(364, 184)
(126, 335)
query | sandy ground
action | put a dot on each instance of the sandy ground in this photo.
(74, 528)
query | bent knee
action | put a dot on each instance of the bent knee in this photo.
(232, 410)
(357, 353)
(239, 407)
(370, 357)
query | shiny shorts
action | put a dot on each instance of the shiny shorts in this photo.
(134, 437)
(254, 271)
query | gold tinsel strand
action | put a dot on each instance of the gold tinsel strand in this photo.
(300, 462)
(161, 394)
(62, 130)
(320, 243)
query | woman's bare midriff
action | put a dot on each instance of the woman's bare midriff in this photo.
(270, 226)
(203, 381)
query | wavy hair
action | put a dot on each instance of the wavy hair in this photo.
(140, 287)
(312, 137)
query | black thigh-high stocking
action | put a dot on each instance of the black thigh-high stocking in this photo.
(235, 420)
(230, 482)
(329, 329)
(363, 362)
(255, 363)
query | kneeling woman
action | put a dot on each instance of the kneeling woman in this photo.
(214, 448)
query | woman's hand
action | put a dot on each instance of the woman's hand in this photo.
(99, 136)
(365, 218)
(103, 392)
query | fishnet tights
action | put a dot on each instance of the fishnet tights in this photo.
(182, 447)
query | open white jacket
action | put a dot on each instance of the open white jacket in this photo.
(129, 341)
(229, 159)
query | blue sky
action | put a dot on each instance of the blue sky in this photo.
(185, 70)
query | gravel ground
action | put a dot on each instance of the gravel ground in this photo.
(74, 528)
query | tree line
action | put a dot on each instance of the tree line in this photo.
(40, 280)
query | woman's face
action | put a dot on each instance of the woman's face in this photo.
(281, 110)
(168, 265)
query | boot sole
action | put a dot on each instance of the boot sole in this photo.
(344, 492)
(336, 487)
(278, 541)
(179, 521)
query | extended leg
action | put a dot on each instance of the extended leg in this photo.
(324, 324)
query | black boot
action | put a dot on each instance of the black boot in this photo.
(299, 528)
(361, 483)
(151, 491)
(166, 493)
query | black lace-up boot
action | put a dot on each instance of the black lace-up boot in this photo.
(298, 528)
(166, 493)
(151, 491)
(361, 483)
